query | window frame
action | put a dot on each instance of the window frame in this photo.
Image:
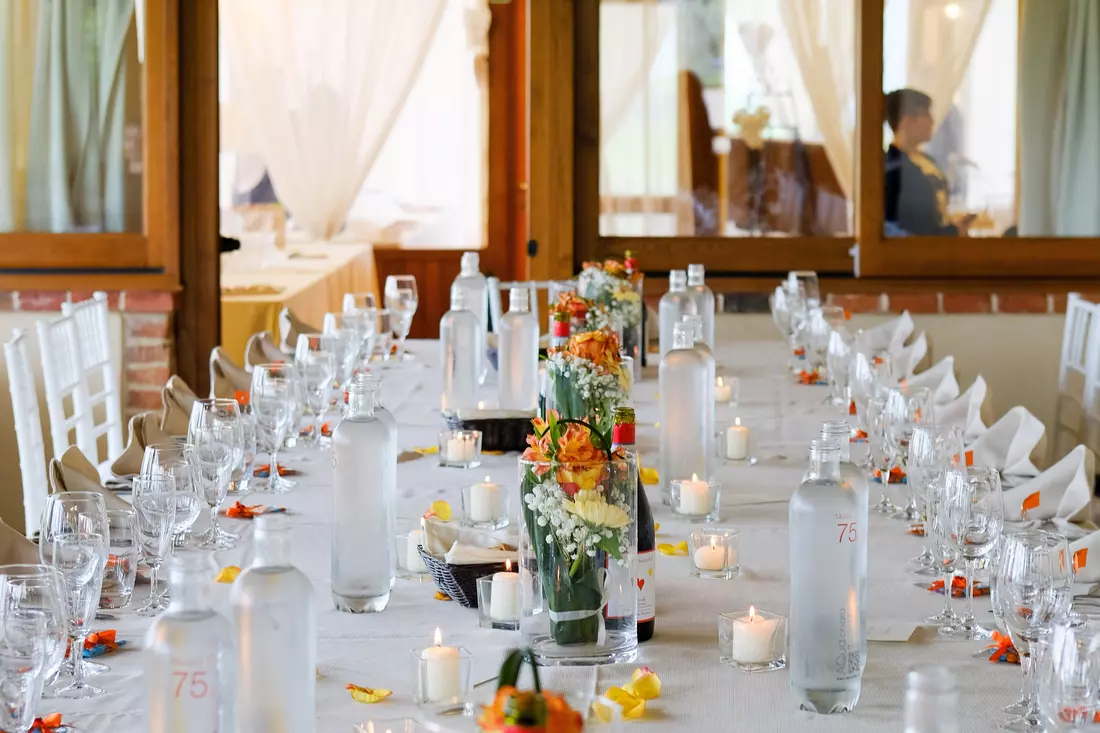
(121, 260)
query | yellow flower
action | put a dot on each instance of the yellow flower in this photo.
(644, 683)
(598, 514)
(627, 295)
(589, 495)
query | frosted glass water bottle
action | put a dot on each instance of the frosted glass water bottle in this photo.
(674, 305)
(518, 362)
(276, 637)
(696, 322)
(828, 535)
(189, 655)
(459, 344)
(687, 448)
(473, 285)
(364, 478)
(704, 300)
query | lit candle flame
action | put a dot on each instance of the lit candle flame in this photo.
(714, 543)
(481, 404)
(720, 382)
(488, 480)
(438, 637)
(508, 565)
(694, 477)
(737, 421)
(752, 614)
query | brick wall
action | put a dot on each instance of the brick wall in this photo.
(147, 337)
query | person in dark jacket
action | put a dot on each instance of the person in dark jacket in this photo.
(916, 190)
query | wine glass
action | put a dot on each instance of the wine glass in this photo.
(973, 514)
(906, 413)
(73, 539)
(781, 314)
(933, 449)
(883, 448)
(401, 301)
(155, 504)
(1030, 596)
(274, 390)
(1068, 679)
(176, 461)
(360, 311)
(24, 641)
(316, 365)
(38, 591)
(838, 355)
(342, 332)
(216, 448)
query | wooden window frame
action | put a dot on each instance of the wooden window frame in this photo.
(563, 72)
(148, 260)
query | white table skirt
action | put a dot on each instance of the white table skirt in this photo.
(373, 650)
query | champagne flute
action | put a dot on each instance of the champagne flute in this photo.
(933, 449)
(316, 365)
(401, 301)
(882, 448)
(73, 539)
(273, 391)
(155, 504)
(944, 555)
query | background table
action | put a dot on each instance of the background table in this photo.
(373, 650)
(310, 280)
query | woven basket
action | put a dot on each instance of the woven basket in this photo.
(497, 434)
(458, 581)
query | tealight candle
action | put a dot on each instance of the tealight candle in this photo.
(737, 441)
(504, 601)
(713, 557)
(442, 671)
(695, 497)
(486, 501)
(752, 639)
(460, 449)
(722, 392)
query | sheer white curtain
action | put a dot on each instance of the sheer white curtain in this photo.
(17, 30)
(822, 37)
(321, 84)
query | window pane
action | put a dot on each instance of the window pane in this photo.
(71, 88)
(747, 101)
(992, 124)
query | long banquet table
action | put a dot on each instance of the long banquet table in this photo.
(373, 650)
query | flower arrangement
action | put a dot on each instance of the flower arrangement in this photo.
(538, 710)
(579, 515)
(585, 377)
(612, 292)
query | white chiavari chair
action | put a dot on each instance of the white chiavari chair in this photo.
(101, 378)
(66, 391)
(1077, 374)
(28, 429)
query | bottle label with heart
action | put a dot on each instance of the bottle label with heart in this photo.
(645, 569)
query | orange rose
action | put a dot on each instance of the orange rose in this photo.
(599, 347)
(516, 711)
(614, 268)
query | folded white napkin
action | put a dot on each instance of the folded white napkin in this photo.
(177, 399)
(965, 412)
(938, 379)
(262, 349)
(290, 326)
(904, 359)
(889, 336)
(467, 546)
(1008, 444)
(1061, 494)
(74, 472)
(226, 377)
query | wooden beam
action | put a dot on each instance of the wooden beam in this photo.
(870, 112)
(199, 316)
(586, 132)
(550, 136)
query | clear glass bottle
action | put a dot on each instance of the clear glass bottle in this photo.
(687, 448)
(696, 322)
(364, 462)
(828, 536)
(518, 362)
(850, 474)
(674, 305)
(473, 285)
(931, 701)
(276, 635)
(459, 345)
(189, 655)
(704, 300)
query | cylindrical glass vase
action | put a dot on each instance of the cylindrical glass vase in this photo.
(578, 591)
(633, 337)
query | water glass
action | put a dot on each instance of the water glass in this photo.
(176, 461)
(401, 301)
(122, 559)
(274, 390)
(316, 365)
(23, 645)
(217, 448)
(155, 504)
(1068, 678)
(38, 591)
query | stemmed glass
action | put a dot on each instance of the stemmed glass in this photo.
(316, 365)
(838, 356)
(360, 312)
(155, 503)
(73, 539)
(176, 461)
(1032, 594)
(933, 449)
(973, 516)
(216, 447)
(343, 334)
(883, 448)
(945, 557)
(1068, 680)
(274, 390)
(401, 302)
(24, 649)
(33, 592)
(907, 410)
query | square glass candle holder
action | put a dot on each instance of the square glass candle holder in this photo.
(485, 505)
(460, 448)
(410, 565)
(443, 678)
(736, 443)
(498, 603)
(714, 553)
(695, 499)
(727, 389)
(398, 725)
(752, 640)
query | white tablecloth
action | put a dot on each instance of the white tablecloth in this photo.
(373, 650)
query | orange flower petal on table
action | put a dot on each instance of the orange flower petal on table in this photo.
(239, 511)
(680, 548)
(650, 476)
(227, 574)
(430, 450)
(367, 694)
(439, 509)
(441, 596)
(47, 723)
(107, 636)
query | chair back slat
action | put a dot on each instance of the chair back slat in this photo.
(28, 430)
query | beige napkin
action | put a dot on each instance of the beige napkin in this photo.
(15, 548)
(289, 328)
(262, 349)
(965, 412)
(904, 360)
(889, 336)
(226, 378)
(74, 472)
(1061, 494)
(466, 546)
(1009, 443)
(177, 399)
(144, 430)
(938, 379)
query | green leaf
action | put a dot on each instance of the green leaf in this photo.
(610, 545)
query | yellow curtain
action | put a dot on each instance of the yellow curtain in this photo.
(17, 31)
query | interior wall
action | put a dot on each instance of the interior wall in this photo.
(11, 485)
